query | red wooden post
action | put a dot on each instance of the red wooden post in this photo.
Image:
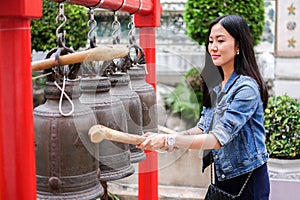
(148, 169)
(17, 158)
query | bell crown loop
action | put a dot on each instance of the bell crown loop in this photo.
(63, 93)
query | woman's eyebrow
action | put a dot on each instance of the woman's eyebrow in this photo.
(218, 36)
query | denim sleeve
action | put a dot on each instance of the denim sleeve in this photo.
(244, 103)
(201, 121)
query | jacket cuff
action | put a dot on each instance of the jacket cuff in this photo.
(222, 134)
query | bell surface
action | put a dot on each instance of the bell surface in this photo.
(147, 97)
(114, 157)
(120, 89)
(66, 160)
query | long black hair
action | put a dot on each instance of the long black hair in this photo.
(244, 63)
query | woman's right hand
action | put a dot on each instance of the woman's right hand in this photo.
(153, 141)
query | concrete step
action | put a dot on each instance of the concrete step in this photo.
(130, 192)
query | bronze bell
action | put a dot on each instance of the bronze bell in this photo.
(66, 160)
(131, 101)
(147, 96)
(114, 157)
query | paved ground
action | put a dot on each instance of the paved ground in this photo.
(130, 192)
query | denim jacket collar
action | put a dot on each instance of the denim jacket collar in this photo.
(234, 76)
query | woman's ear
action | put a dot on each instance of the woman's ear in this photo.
(237, 49)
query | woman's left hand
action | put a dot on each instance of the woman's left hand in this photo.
(154, 141)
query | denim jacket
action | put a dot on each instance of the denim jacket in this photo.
(238, 124)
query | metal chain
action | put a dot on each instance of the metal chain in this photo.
(131, 33)
(116, 29)
(61, 17)
(92, 23)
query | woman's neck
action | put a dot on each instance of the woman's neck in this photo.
(227, 74)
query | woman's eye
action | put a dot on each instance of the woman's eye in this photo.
(210, 41)
(220, 41)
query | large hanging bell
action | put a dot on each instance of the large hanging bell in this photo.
(120, 89)
(114, 157)
(147, 96)
(66, 160)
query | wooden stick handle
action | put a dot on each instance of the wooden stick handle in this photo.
(100, 53)
(165, 130)
(99, 132)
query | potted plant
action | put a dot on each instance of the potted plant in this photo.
(282, 123)
(185, 102)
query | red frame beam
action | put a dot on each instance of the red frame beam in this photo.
(17, 157)
(142, 7)
(147, 12)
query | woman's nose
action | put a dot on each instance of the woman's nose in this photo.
(213, 46)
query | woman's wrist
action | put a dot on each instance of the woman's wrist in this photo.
(169, 142)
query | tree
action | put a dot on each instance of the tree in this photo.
(199, 13)
(43, 30)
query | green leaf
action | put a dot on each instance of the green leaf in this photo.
(282, 127)
(43, 30)
(186, 99)
(198, 14)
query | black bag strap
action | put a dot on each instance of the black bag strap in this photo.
(242, 189)
(244, 185)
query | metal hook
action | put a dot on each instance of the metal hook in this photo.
(99, 4)
(131, 32)
(140, 7)
(60, 17)
(93, 24)
(116, 29)
(131, 24)
(123, 5)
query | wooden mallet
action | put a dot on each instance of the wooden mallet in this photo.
(100, 53)
(97, 133)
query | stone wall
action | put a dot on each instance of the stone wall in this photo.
(287, 48)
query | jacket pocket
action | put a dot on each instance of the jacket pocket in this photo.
(222, 158)
(242, 147)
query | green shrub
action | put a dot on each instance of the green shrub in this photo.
(282, 123)
(199, 13)
(43, 30)
(186, 99)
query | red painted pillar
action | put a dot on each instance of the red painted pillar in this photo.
(148, 169)
(17, 159)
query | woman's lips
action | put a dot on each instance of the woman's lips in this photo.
(214, 57)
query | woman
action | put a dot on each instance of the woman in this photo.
(232, 120)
